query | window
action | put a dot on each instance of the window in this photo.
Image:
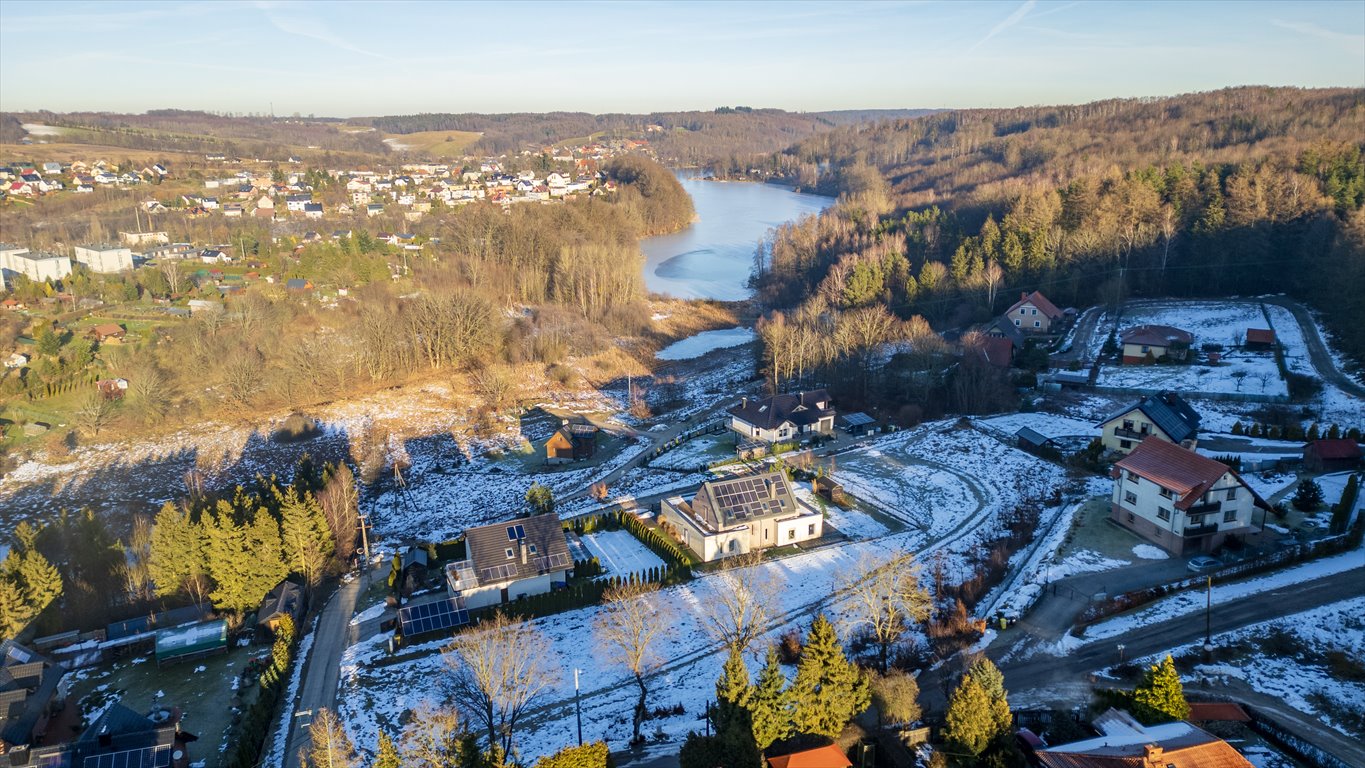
(1232, 494)
(791, 534)
(1125, 443)
(1196, 520)
(1132, 476)
(1146, 349)
(532, 548)
(1163, 513)
(1016, 321)
(765, 534)
(1032, 311)
(810, 529)
(734, 545)
(1037, 324)
(1230, 516)
(1131, 517)
(1129, 497)
(510, 554)
(1167, 494)
(1128, 424)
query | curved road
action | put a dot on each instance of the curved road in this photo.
(1317, 350)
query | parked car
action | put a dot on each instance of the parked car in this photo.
(1202, 563)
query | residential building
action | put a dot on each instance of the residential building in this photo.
(510, 560)
(36, 266)
(144, 238)
(1033, 313)
(829, 756)
(108, 333)
(104, 258)
(783, 417)
(1179, 500)
(312, 210)
(1126, 743)
(571, 442)
(1260, 338)
(739, 515)
(1145, 344)
(295, 203)
(1165, 415)
(28, 686)
(1331, 455)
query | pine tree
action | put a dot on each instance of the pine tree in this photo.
(1159, 697)
(770, 710)
(387, 754)
(541, 499)
(732, 691)
(40, 581)
(1308, 496)
(992, 681)
(970, 724)
(244, 561)
(304, 533)
(829, 690)
(177, 551)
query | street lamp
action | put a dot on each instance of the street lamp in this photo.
(1120, 653)
(578, 706)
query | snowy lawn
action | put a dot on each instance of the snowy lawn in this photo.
(698, 452)
(1252, 373)
(620, 553)
(852, 523)
(1150, 552)
(1047, 424)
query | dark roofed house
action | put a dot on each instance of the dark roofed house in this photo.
(118, 738)
(1031, 440)
(28, 684)
(571, 442)
(739, 515)
(1260, 338)
(286, 599)
(857, 424)
(298, 285)
(1165, 415)
(510, 560)
(783, 417)
(1331, 455)
(1153, 343)
(1001, 328)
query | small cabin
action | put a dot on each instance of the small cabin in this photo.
(571, 442)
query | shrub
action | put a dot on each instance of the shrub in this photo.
(1308, 497)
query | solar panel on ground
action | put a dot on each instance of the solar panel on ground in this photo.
(430, 617)
(146, 757)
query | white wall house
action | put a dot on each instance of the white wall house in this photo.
(740, 515)
(104, 258)
(510, 560)
(35, 266)
(783, 417)
(1179, 500)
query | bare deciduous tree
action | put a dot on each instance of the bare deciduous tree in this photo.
(885, 596)
(340, 501)
(500, 669)
(330, 746)
(628, 625)
(431, 737)
(740, 606)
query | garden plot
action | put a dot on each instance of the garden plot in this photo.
(1290, 336)
(698, 452)
(1239, 372)
(620, 553)
(1211, 322)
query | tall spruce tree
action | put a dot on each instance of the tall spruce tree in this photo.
(386, 755)
(732, 692)
(304, 533)
(177, 551)
(829, 690)
(970, 725)
(992, 681)
(1160, 697)
(244, 561)
(770, 710)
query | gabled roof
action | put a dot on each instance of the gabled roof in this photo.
(1178, 469)
(1260, 336)
(1168, 411)
(488, 545)
(1344, 448)
(1038, 300)
(1156, 336)
(998, 351)
(829, 756)
(801, 409)
(1129, 744)
(725, 503)
(1004, 327)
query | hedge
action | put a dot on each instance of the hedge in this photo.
(259, 717)
(1341, 511)
(594, 755)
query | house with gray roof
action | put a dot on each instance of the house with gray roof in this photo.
(28, 686)
(783, 417)
(509, 560)
(739, 515)
(1165, 415)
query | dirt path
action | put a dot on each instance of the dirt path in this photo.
(1317, 349)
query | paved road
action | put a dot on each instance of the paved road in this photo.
(1343, 747)
(1317, 350)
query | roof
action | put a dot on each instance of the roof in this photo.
(997, 350)
(1156, 336)
(1002, 326)
(1127, 743)
(829, 756)
(24, 698)
(801, 409)
(285, 598)
(107, 329)
(1344, 448)
(537, 544)
(1260, 336)
(1178, 469)
(724, 503)
(1168, 411)
(856, 419)
(1032, 437)
(1038, 300)
(1217, 710)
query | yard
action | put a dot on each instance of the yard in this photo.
(620, 553)
(698, 452)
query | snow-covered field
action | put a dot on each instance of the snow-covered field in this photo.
(705, 342)
(1211, 322)
(1047, 424)
(698, 452)
(1290, 336)
(620, 553)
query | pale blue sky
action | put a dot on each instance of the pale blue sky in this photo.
(362, 58)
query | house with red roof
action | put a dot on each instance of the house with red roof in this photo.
(829, 756)
(1126, 743)
(1260, 338)
(1179, 500)
(1331, 455)
(1033, 313)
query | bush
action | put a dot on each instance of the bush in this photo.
(594, 755)
(1308, 497)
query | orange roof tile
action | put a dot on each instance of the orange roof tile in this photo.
(1217, 710)
(821, 757)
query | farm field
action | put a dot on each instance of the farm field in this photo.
(442, 144)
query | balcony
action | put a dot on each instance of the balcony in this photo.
(1207, 508)
(1129, 434)
(1194, 531)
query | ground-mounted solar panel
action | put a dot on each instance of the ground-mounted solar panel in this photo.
(431, 617)
(145, 757)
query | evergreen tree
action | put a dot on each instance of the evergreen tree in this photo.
(304, 533)
(732, 691)
(541, 499)
(40, 581)
(14, 613)
(770, 710)
(387, 754)
(992, 681)
(244, 561)
(1308, 496)
(829, 690)
(1159, 697)
(177, 551)
(970, 725)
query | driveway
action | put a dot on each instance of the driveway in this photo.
(1317, 350)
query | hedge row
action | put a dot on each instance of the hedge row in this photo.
(260, 716)
(1341, 511)
(1295, 432)
(583, 594)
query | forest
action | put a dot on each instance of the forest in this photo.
(950, 216)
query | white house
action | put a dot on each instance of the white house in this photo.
(1165, 415)
(1179, 500)
(738, 515)
(783, 417)
(1033, 313)
(509, 560)
(145, 238)
(312, 210)
(295, 203)
(104, 258)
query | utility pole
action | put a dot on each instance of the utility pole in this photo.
(578, 705)
(1208, 613)
(364, 540)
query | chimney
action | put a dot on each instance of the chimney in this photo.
(521, 545)
(744, 402)
(1153, 756)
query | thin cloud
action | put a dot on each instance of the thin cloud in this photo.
(1009, 21)
(313, 29)
(1354, 42)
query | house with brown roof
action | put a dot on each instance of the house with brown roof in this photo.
(571, 442)
(1033, 313)
(1147, 344)
(108, 333)
(1179, 500)
(739, 515)
(1331, 455)
(1260, 338)
(1126, 743)
(783, 417)
(828, 756)
(510, 560)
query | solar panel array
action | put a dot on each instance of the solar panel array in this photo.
(498, 573)
(858, 419)
(516, 532)
(553, 562)
(146, 757)
(424, 618)
(745, 497)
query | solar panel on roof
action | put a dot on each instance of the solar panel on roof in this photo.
(430, 617)
(146, 757)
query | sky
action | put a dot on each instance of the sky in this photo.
(356, 58)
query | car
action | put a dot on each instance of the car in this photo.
(1202, 563)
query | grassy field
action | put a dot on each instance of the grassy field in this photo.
(66, 152)
(448, 144)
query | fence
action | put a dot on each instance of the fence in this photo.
(1247, 397)
(1282, 734)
